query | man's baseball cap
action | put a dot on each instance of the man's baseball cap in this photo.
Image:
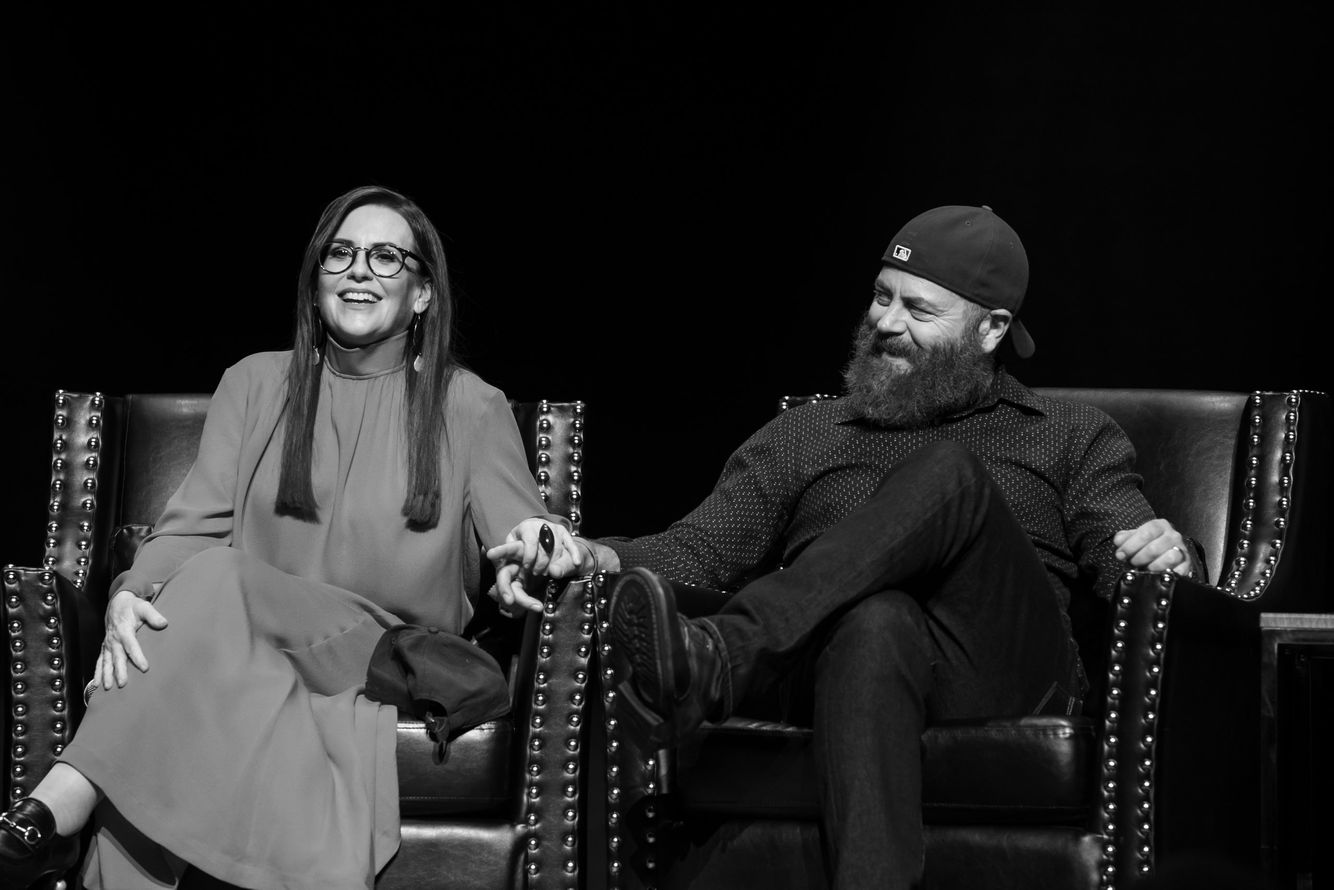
(971, 251)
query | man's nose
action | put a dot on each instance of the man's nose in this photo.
(892, 320)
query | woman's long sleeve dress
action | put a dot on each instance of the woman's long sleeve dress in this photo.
(247, 749)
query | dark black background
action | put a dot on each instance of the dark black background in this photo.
(672, 212)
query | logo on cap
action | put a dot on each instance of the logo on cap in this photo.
(901, 252)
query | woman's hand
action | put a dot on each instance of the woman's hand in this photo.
(1154, 546)
(126, 613)
(523, 557)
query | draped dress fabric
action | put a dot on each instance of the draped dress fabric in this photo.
(247, 749)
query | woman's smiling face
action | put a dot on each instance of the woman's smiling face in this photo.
(359, 307)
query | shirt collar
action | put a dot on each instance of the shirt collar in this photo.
(370, 360)
(1004, 388)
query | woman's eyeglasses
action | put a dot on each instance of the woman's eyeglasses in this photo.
(384, 260)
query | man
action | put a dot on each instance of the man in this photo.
(931, 524)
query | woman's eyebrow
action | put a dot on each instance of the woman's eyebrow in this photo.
(372, 244)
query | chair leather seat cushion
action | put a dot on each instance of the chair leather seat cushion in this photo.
(463, 853)
(1022, 770)
(474, 778)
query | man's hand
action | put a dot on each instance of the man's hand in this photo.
(1154, 546)
(126, 613)
(523, 556)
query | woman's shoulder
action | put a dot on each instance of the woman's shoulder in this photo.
(257, 372)
(261, 364)
(470, 394)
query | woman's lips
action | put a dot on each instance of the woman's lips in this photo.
(359, 297)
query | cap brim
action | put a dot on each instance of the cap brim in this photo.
(1020, 338)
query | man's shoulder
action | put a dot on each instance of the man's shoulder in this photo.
(816, 409)
(1055, 406)
(811, 421)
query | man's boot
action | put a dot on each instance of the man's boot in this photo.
(671, 669)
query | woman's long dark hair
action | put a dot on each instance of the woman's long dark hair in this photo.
(424, 419)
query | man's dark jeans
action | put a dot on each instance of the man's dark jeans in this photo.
(926, 602)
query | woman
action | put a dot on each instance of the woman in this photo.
(335, 492)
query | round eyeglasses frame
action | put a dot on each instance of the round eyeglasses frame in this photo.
(403, 253)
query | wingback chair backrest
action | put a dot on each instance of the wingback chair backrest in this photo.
(502, 806)
(1246, 475)
(1196, 449)
(159, 435)
(1185, 450)
(1197, 452)
(118, 459)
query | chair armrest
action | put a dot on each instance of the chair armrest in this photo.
(1141, 606)
(42, 700)
(622, 775)
(1282, 513)
(551, 715)
(1181, 725)
(633, 781)
(43, 704)
(1209, 753)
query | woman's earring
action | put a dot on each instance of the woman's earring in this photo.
(415, 336)
(317, 341)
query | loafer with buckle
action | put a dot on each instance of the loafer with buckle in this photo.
(672, 669)
(30, 849)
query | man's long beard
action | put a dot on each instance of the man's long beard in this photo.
(940, 381)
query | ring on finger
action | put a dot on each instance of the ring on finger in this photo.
(1177, 548)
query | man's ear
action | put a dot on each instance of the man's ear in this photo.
(992, 327)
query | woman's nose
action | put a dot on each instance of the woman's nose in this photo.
(361, 267)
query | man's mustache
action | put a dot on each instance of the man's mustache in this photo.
(875, 344)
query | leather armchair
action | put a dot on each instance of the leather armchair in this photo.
(503, 811)
(1166, 757)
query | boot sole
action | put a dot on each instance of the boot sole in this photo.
(646, 640)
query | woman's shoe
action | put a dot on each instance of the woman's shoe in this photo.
(30, 849)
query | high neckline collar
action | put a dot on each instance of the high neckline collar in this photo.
(370, 360)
